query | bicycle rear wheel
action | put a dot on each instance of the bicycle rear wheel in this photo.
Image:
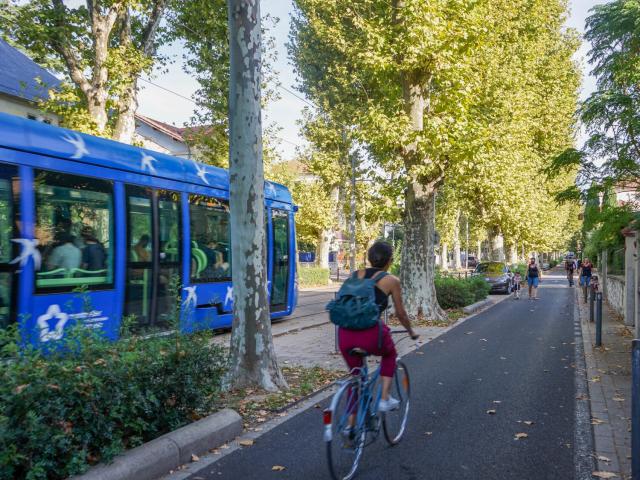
(344, 451)
(394, 423)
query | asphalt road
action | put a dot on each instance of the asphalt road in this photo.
(518, 353)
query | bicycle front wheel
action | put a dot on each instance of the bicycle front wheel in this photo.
(394, 423)
(345, 442)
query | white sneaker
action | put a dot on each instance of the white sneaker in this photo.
(388, 405)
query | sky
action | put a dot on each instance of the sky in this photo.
(167, 99)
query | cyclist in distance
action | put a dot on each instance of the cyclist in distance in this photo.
(377, 339)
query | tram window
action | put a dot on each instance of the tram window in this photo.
(210, 240)
(74, 228)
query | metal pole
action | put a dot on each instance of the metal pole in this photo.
(592, 299)
(635, 410)
(585, 291)
(599, 319)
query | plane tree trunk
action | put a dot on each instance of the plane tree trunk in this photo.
(252, 356)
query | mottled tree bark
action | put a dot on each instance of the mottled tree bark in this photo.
(323, 249)
(457, 261)
(252, 356)
(418, 254)
(444, 256)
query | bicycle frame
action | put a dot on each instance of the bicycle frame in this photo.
(365, 399)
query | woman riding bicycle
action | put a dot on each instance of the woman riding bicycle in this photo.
(377, 340)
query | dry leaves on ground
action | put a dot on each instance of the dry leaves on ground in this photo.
(246, 443)
(195, 458)
(277, 468)
(602, 458)
(528, 422)
(597, 421)
(618, 399)
(521, 435)
(491, 412)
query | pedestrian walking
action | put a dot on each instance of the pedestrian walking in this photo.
(533, 278)
(585, 272)
(517, 279)
(570, 267)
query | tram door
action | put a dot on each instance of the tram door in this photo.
(153, 256)
(280, 276)
(8, 182)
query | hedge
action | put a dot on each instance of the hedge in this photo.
(90, 399)
(313, 276)
(457, 293)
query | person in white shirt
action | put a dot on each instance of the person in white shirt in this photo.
(65, 255)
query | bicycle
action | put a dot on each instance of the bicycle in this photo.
(360, 396)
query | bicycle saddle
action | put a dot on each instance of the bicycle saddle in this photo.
(358, 352)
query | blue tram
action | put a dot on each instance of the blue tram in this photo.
(121, 224)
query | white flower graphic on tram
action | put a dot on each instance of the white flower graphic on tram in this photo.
(44, 324)
(201, 172)
(192, 297)
(146, 162)
(270, 189)
(78, 142)
(229, 297)
(28, 250)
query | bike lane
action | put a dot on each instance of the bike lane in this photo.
(516, 358)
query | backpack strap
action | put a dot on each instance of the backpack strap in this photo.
(379, 275)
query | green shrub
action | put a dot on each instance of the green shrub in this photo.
(313, 276)
(91, 398)
(456, 293)
(479, 287)
(453, 293)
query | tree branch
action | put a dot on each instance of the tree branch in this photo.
(149, 33)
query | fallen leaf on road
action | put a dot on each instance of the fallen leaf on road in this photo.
(245, 443)
(277, 468)
(528, 422)
(604, 474)
(595, 379)
(491, 412)
(618, 399)
(468, 333)
(225, 446)
(195, 458)
(215, 451)
(503, 358)
(484, 340)
(602, 458)
(521, 435)
(428, 433)
(497, 401)
(597, 421)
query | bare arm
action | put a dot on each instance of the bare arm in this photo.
(401, 313)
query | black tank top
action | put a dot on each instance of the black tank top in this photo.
(382, 299)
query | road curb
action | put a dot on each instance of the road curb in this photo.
(583, 438)
(158, 457)
(474, 307)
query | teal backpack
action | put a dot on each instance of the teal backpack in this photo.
(355, 305)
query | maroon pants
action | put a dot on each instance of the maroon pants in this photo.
(368, 340)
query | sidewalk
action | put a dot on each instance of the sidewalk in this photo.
(609, 380)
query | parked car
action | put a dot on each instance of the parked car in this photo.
(546, 266)
(472, 261)
(497, 274)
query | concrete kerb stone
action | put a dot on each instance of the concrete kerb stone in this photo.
(474, 307)
(158, 457)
